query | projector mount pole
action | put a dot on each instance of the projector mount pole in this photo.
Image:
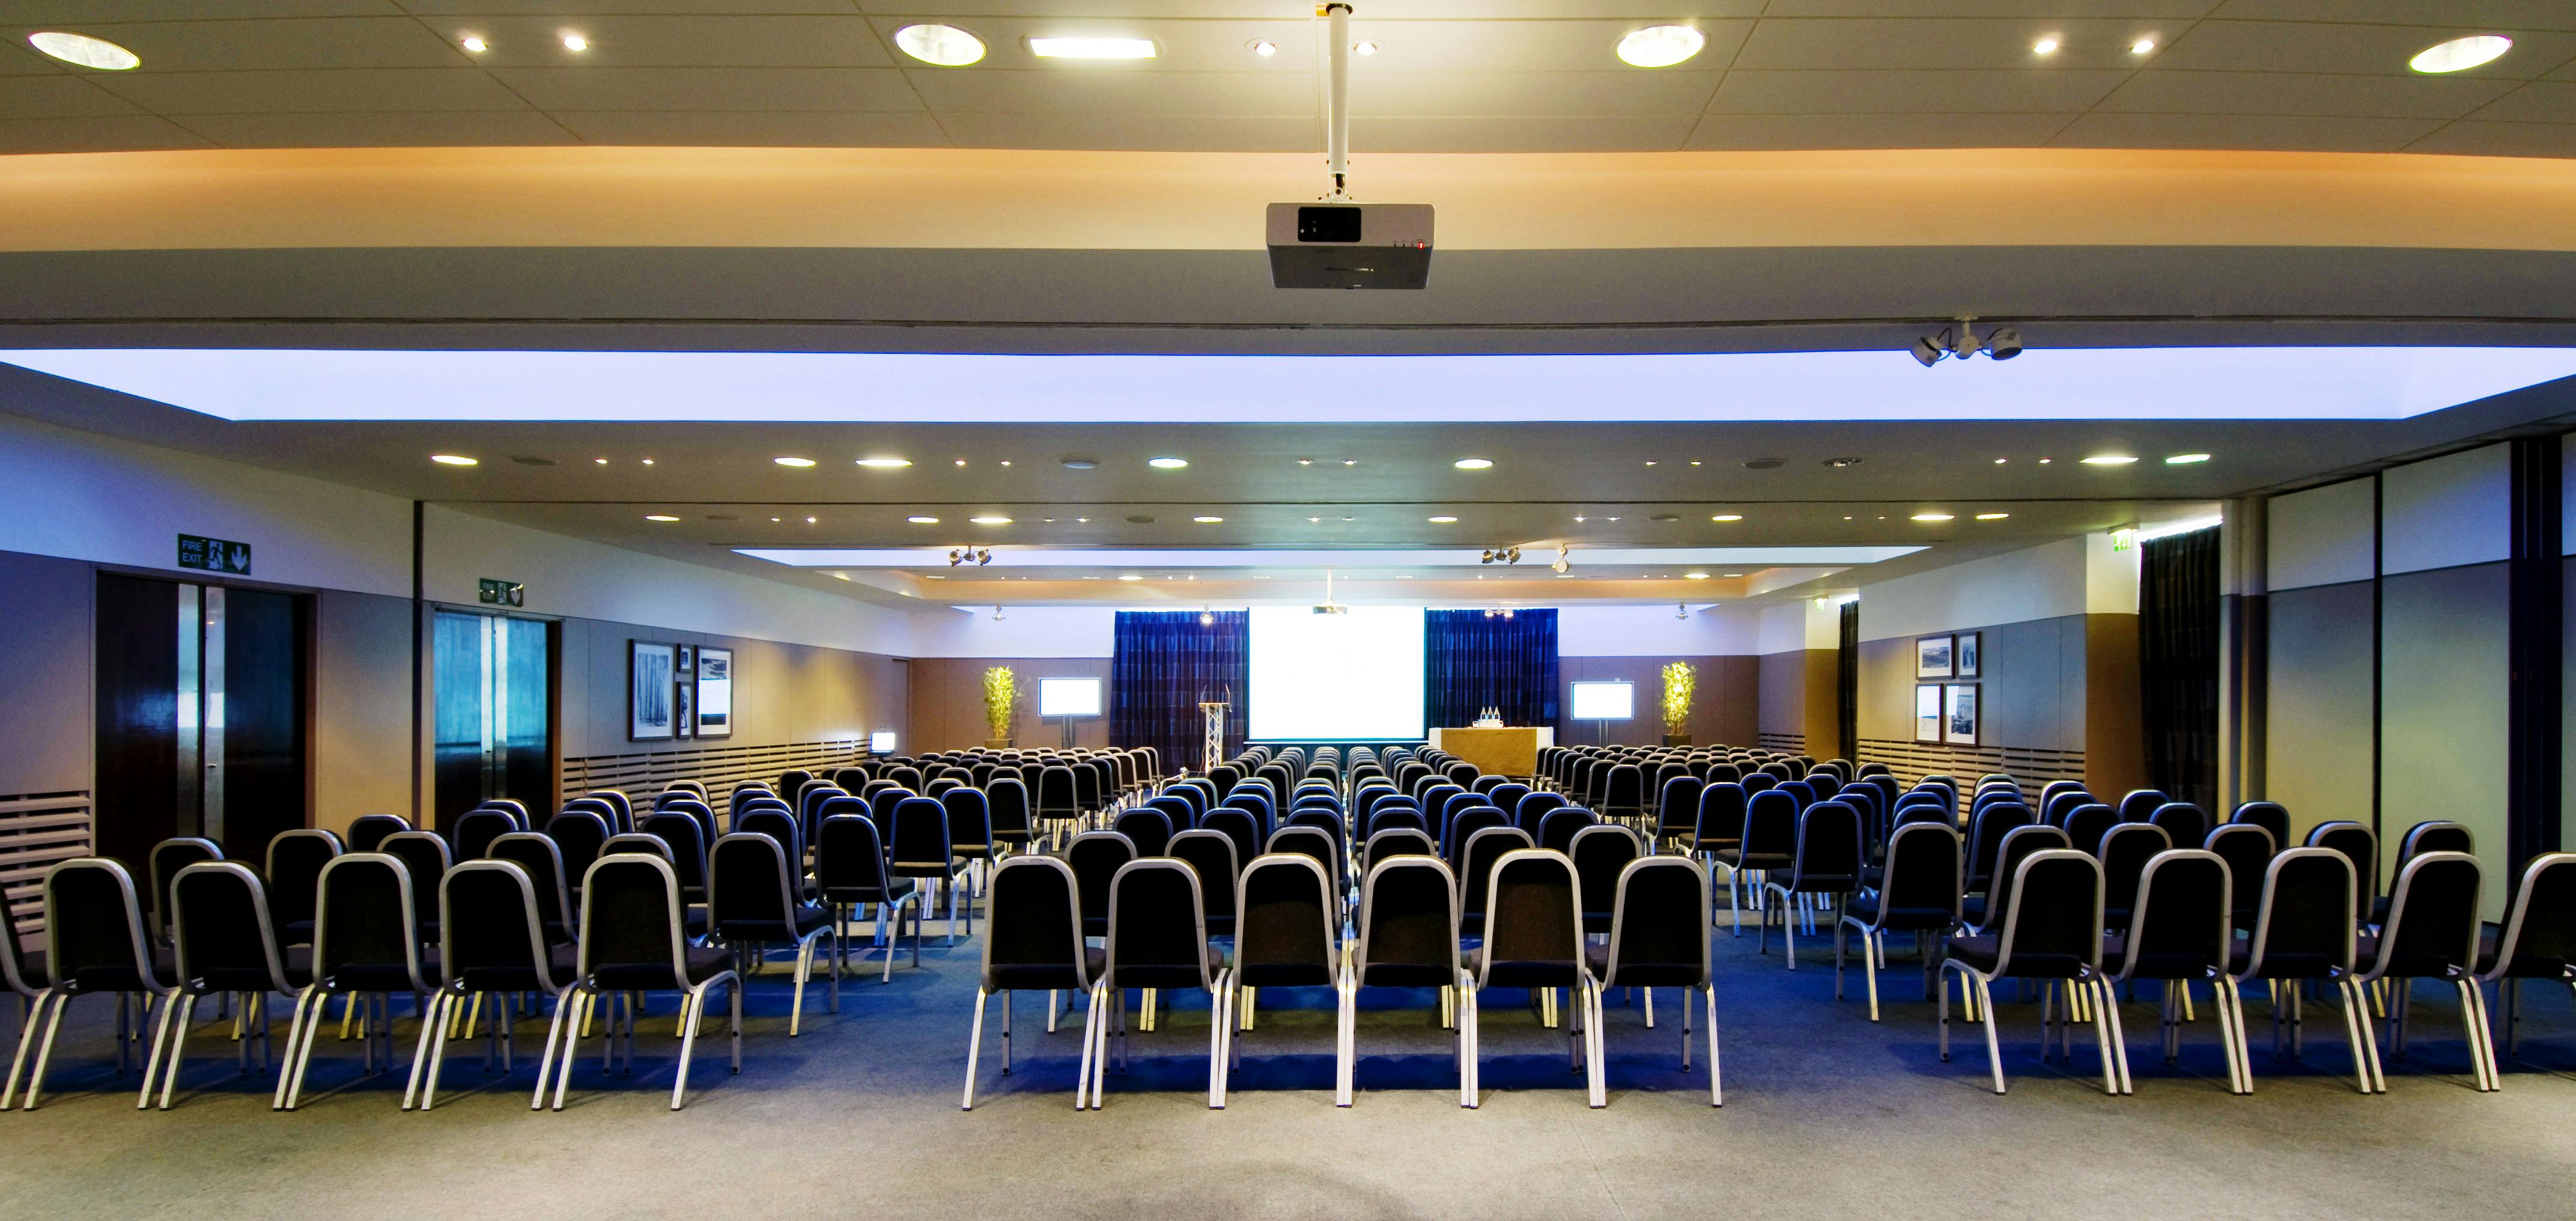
(1337, 110)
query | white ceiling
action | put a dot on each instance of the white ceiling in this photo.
(1453, 76)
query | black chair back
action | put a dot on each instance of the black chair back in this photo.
(492, 933)
(2361, 846)
(1476, 867)
(2269, 815)
(424, 857)
(220, 933)
(95, 940)
(365, 937)
(2052, 921)
(366, 831)
(538, 857)
(1156, 937)
(1149, 830)
(1829, 852)
(1285, 936)
(1033, 927)
(1096, 858)
(578, 835)
(294, 874)
(2088, 822)
(1533, 927)
(1556, 832)
(2432, 929)
(474, 831)
(2020, 844)
(167, 859)
(1720, 822)
(2304, 927)
(1658, 924)
(2247, 849)
(1408, 924)
(1600, 853)
(1531, 811)
(2180, 926)
(1986, 838)
(685, 837)
(2183, 822)
(2126, 848)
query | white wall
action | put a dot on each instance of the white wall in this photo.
(2043, 582)
(1651, 631)
(2320, 536)
(2448, 511)
(1024, 631)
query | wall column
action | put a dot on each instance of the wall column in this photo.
(2244, 612)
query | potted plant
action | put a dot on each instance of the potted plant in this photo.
(1001, 687)
(1680, 683)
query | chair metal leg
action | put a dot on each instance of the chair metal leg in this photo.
(555, 1032)
(1216, 1042)
(1994, 1053)
(2113, 1038)
(160, 1039)
(1468, 1019)
(690, 1004)
(2473, 1020)
(431, 1056)
(2356, 1031)
(1082, 1074)
(1345, 1002)
(974, 1044)
(1591, 993)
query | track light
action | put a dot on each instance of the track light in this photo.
(1961, 342)
(1563, 561)
(997, 612)
(969, 555)
(1207, 617)
(1681, 610)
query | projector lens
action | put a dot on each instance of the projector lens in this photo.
(1328, 224)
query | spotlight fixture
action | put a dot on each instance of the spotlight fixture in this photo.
(970, 555)
(2047, 45)
(1207, 617)
(1364, 47)
(997, 612)
(1961, 342)
(1500, 555)
(1681, 610)
(2142, 46)
(1564, 560)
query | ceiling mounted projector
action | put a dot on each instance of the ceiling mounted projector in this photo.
(1337, 241)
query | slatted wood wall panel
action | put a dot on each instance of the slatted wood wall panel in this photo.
(643, 774)
(36, 830)
(1786, 743)
(2032, 767)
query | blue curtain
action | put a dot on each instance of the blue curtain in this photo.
(1162, 664)
(1470, 661)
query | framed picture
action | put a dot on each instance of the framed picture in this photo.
(1964, 653)
(650, 689)
(684, 660)
(1959, 714)
(715, 693)
(1932, 657)
(1927, 713)
(684, 708)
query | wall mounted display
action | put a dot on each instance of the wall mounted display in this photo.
(649, 688)
(1932, 657)
(715, 693)
(1602, 701)
(1068, 697)
(1959, 714)
(1963, 653)
(1927, 713)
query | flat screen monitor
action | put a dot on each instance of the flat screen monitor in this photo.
(881, 742)
(1604, 701)
(1068, 697)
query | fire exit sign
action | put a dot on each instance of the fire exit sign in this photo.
(214, 555)
(502, 593)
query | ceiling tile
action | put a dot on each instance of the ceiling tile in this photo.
(375, 89)
(2280, 46)
(651, 41)
(2168, 91)
(1117, 93)
(845, 130)
(2537, 102)
(711, 89)
(2315, 133)
(2050, 9)
(19, 59)
(1625, 11)
(1175, 133)
(58, 97)
(1924, 42)
(1521, 134)
(298, 42)
(379, 130)
(97, 12)
(2469, 137)
(1789, 131)
(1213, 45)
(1968, 91)
(101, 134)
(443, 12)
(1405, 46)
(2503, 16)
(1559, 94)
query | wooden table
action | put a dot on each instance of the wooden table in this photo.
(1506, 751)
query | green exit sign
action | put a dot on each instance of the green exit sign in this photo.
(502, 593)
(214, 555)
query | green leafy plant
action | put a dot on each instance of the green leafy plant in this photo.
(1680, 683)
(1001, 689)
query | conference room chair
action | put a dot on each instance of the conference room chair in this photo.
(1599, 852)
(1723, 773)
(1033, 941)
(294, 876)
(921, 848)
(2062, 801)
(2431, 835)
(1484, 785)
(1212, 854)
(694, 788)
(368, 830)
(1407, 938)
(493, 946)
(1461, 774)
(425, 861)
(1556, 832)
(1466, 820)
(578, 835)
(1824, 869)
(2359, 844)
(1288, 935)
(850, 876)
(96, 944)
(1676, 811)
(1758, 781)
(1006, 805)
(1718, 823)
(906, 775)
(686, 839)
(1255, 798)
(1770, 841)
(1395, 841)
(2432, 933)
(1531, 811)
(1985, 913)
(1657, 939)
(1094, 789)
(163, 864)
(539, 858)
(516, 809)
(1474, 868)
(942, 784)
(1986, 836)
(808, 807)
(1096, 857)
(1224, 777)
(223, 944)
(2139, 804)
(1314, 841)
(1393, 818)
(622, 809)
(366, 945)
(2126, 849)
(1533, 939)
(2248, 850)
(2048, 930)
(1059, 805)
(2304, 932)
(1174, 809)
(970, 832)
(2088, 823)
(1149, 830)
(1157, 942)
(2536, 941)
(1799, 791)
(705, 816)
(879, 785)
(1916, 891)
(2182, 821)
(2180, 933)
(754, 902)
(474, 830)
(1507, 796)
(633, 942)
(2269, 815)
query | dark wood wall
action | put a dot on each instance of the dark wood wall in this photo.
(1723, 710)
(948, 701)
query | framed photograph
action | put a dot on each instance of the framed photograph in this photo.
(1964, 653)
(650, 690)
(715, 693)
(684, 708)
(1927, 713)
(1959, 714)
(684, 660)
(1932, 657)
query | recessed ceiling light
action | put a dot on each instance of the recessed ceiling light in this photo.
(454, 460)
(2460, 54)
(1305, 462)
(799, 463)
(2046, 461)
(1735, 574)
(944, 46)
(659, 517)
(1206, 520)
(885, 463)
(777, 519)
(2001, 461)
(600, 461)
(916, 520)
(1081, 464)
(648, 462)
(1932, 516)
(1660, 46)
(2142, 46)
(990, 520)
(961, 462)
(1264, 48)
(1092, 48)
(575, 42)
(86, 51)
(1167, 464)
(1473, 464)
(1578, 517)
(1992, 516)
(1665, 517)
(2185, 459)
(1082, 519)
(2110, 460)
(2047, 45)
(474, 43)
(1364, 47)
(1130, 577)
(1696, 576)
(1725, 517)
(811, 520)
(1350, 462)
(1442, 520)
